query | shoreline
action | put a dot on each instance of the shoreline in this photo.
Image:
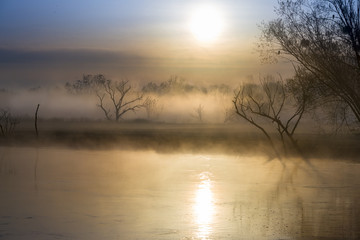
(165, 137)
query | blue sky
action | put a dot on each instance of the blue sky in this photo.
(154, 32)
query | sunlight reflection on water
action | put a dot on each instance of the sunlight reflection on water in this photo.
(81, 194)
(204, 206)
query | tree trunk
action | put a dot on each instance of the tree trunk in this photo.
(36, 118)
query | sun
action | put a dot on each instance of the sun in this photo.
(206, 24)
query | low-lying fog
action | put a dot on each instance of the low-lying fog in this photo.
(172, 107)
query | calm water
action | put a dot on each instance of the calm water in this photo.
(71, 194)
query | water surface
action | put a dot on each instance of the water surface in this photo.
(52, 193)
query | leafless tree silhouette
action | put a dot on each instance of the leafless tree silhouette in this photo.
(115, 98)
(87, 85)
(7, 122)
(322, 40)
(152, 107)
(198, 113)
(271, 104)
(118, 95)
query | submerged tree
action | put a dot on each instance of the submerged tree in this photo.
(272, 104)
(322, 40)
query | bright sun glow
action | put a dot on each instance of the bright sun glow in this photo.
(206, 24)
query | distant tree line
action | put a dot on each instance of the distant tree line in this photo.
(117, 98)
(177, 85)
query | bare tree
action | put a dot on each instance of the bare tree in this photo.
(7, 122)
(198, 113)
(115, 99)
(269, 104)
(322, 40)
(152, 107)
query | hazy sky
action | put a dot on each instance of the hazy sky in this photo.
(46, 41)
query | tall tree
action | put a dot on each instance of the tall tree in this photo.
(322, 39)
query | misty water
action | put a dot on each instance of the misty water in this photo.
(60, 193)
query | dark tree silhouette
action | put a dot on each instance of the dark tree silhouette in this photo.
(174, 85)
(118, 95)
(36, 120)
(7, 122)
(271, 104)
(322, 40)
(88, 84)
(116, 98)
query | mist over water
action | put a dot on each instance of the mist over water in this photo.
(58, 193)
